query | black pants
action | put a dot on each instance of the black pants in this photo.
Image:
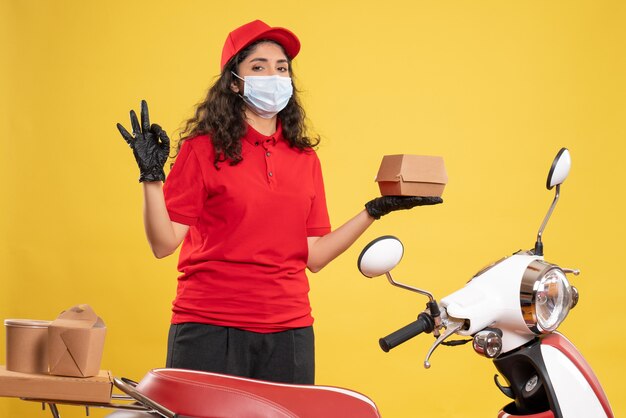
(287, 356)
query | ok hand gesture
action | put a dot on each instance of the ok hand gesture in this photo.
(150, 145)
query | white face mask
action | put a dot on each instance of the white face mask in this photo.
(266, 95)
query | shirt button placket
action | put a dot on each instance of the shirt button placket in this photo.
(269, 163)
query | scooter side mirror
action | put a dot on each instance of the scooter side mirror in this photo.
(380, 256)
(560, 169)
(557, 175)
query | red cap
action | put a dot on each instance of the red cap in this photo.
(253, 31)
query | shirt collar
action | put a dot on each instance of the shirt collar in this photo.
(254, 137)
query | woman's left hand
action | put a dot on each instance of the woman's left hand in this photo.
(381, 206)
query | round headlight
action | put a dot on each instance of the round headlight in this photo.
(545, 297)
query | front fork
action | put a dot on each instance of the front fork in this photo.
(529, 383)
(549, 377)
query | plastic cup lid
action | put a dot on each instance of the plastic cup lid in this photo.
(27, 323)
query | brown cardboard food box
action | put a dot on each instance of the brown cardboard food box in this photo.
(411, 175)
(76, 342)
(46, 387)
(27, 345)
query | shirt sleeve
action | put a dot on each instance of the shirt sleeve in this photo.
(318, 222)
(184, 190)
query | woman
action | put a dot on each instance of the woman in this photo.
(246, 198)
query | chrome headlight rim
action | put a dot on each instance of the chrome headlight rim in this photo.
(535, 272)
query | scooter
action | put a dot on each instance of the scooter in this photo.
(511, 309)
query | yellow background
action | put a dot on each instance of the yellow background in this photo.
(496, 87)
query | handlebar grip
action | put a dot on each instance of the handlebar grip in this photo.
(424, 323)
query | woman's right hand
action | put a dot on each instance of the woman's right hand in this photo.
(150, 145)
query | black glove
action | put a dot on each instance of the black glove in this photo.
(383, 205)
(150, 144)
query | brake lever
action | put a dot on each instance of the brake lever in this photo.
(452, 326)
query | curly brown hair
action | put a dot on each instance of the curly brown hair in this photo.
(221, 115)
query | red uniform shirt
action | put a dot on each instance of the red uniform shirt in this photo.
(243, 260)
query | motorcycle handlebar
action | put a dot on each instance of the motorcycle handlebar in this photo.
(424, 323)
